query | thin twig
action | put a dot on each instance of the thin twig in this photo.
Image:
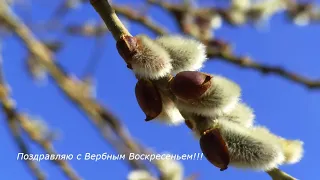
(118, 30)
(248, 63)
(99, 115)
(277, 174)
(244, 62)
(227, 56)
(14, 127)
(138, 17)
(110, 18)
(46, 145)
(23, 148)
(14, 117)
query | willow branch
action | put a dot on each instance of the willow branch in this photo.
(14, 128)
(292, 10)
(7, 105)
(110, 18)
(14, 120)
(100, 117)
(118, 30)
(248, 63)
(221, 54)
(15, 131)
(137, 17)
(277, 174)
(47, 146)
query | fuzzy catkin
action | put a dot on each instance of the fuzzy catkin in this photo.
(187, 54)
(293, 149)
(140, 175)
(241, 114)
(170, 113)
(150, 61)
(251, 149)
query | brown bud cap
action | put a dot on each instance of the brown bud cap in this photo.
(127, 47)
(215, 149)
(148, 98)
(190, 85)
(189, 124)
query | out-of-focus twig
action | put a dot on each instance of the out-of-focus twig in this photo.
(254, 12)
(100, 116)
(248, 63)
(138, 17)
(7, 107)
(292, 8)
(15, 119)
(220, 52)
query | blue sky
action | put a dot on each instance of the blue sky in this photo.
(287, 109)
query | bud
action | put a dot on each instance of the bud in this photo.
(38, 128)
(170, 169)
(241, 5)
(216, 21)
(148, 98)
(205, 94)
(241, 114)
(253, 148)
(37, 71)
(237, 17)
(140, 175)
(187, 54)
(127, 47)
(145, 57)
(215, 149)
(302, 19)
(190, 85)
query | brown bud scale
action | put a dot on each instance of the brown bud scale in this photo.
(189, 124)
(215, 149)
(127, 47)
(148, 98)
(190, 85)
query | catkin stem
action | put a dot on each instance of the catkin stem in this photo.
(110, 18)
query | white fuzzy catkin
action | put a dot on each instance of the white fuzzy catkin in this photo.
(241, 114)
(187, 54)
(171, 169)
(241, 5)
(140, 175)
(221, 98)
(293, 149)
(251, 148)
(170, 113)
(151, 61)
